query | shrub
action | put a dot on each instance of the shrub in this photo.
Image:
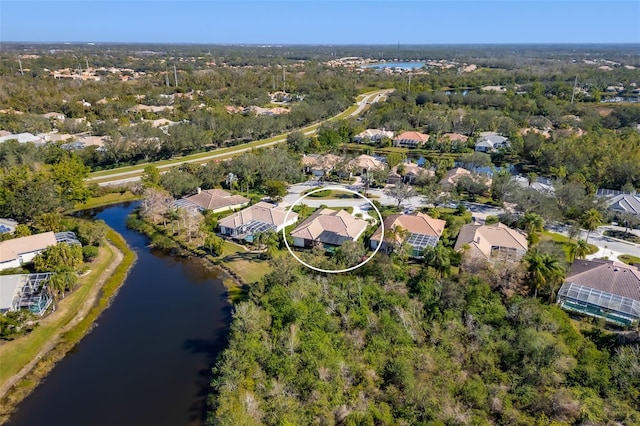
(89, 253)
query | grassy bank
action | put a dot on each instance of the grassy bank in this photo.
(17, 354)
(244, 267)
(106, 200)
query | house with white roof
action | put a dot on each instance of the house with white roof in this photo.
(372, 135)
(18, 251)
(22, 138)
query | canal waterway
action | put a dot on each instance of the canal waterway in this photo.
(149, 359)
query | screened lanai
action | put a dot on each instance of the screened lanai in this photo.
(600, 304)
(25, 291)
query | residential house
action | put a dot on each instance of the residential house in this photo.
(625, 203)
(602, 289)
(363, 164)
(372, 135)
(7, 225)
(215, 200)
(328, 227)
(260, 217)
(54, 116)
(410, 139)
(25, 291)
(490, 142)
(421, 231)
(18, 251)
(319, 165)
(22, 138)
(151, 108)
(454, 137)
(452, 176)
(494, 243)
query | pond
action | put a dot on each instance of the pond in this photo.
(149, 359)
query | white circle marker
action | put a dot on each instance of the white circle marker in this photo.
(330, 271)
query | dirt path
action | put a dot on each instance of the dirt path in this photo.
(82, 311)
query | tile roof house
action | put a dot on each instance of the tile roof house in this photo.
(329, 227)
(410, 139)
(319, 165)
(625, 203)
(18, 251)
(422, 231)
(495, 242)
(260, 217)
(372, 135)
(452, 176)
(454, 137)
(410, 173)
(602, 289)
(215, 200)
(363, 164)
(489, 142)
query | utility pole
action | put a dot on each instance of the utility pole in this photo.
(409, 85)
(87, 62)
(166, 77)
(175, 74)
(284, 79)
(21, 71)
(573, 93)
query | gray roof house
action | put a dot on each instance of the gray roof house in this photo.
(489, 142)
(625, 203)
(602, 289)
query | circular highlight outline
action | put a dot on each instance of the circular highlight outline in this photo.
(330, 271)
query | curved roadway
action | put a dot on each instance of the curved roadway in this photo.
(132, 174)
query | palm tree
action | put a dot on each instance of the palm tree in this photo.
(303, 211)
(579, 250)
(533, 224)
(591, 219)
(438, 258)
(544, 270)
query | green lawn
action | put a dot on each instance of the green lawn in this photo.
(247, 265)
(107, 199)
(17, 353)
(629, 259)
(563, 240)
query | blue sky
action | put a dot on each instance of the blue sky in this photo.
(322, 21)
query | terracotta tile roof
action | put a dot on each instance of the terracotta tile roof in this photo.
(455, 137)
(11, 249)
(414, 136)
(330, 226)
(214, 199)
(263, 212)
(417, 223)
(612, 277)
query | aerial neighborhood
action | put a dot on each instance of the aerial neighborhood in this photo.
(396, 235)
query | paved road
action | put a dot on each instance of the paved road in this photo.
(609, 247)
(133, 175)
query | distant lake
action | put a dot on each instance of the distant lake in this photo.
(401, 65)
